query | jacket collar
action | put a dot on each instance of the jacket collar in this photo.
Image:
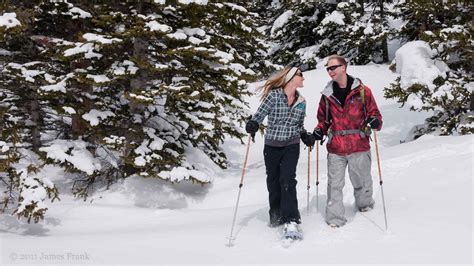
(328, 90)
(299, 98)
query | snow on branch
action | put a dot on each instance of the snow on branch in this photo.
(8, 20)
(415, 65)
(74, 152)
(94, 116)
(178, 174)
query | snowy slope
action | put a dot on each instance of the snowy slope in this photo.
(427, 186)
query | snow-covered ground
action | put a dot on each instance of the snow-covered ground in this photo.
(427, 188)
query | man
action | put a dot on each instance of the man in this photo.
(347, 112)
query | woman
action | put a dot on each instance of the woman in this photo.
(286, 109)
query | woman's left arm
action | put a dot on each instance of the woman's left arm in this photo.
(302, 117)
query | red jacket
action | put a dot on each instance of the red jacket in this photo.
(351, 117)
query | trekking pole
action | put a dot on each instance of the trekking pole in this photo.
(308, 186)
(231, 238)
(380, 178)
(317, 177)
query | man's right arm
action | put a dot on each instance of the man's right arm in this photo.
(321, 115)
(320, 130)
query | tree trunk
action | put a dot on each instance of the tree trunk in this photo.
(384, 38)
(139, 81)
(140, 46)
(79, 125)
(36, 122)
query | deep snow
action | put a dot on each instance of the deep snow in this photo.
(427, 186)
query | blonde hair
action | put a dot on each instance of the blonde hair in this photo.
(276, 81)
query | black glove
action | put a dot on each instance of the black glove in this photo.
(307, 138)
(318, 134)
(372, 122)
(251, 127)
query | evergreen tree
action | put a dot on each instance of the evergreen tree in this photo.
(260, 11)
(305, 33)
(447, 27)
(124, 89)
(292, 35)
(23, 115)
(357, 31)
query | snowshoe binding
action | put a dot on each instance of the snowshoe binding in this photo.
(292, 231)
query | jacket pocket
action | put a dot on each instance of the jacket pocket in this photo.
(296, 114)
(355, 109)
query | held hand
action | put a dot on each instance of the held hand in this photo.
(307, 138)
(251, 127)
(318, 134)
(372, 122)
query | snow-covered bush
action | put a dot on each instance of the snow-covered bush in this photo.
(34, 190)
(436, 71)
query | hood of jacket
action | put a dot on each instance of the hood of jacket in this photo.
(328, 90)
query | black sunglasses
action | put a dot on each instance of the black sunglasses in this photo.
(332, 68)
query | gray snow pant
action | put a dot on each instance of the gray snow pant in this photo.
(361, 179)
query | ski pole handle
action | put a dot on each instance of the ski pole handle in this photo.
(378, 157)
(245, 162)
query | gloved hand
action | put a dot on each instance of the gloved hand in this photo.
(251, 127)
(372, 122)
(318, 134)
(307, 138)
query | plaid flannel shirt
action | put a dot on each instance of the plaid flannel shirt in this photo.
(285, 123)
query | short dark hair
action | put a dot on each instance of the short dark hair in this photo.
(339, 59)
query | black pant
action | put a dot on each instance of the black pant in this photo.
(280, 163)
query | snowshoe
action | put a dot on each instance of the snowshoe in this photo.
(366, 208)
(292, 231)
(333, 225)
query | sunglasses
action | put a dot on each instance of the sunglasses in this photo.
(332, 68)
(299, 74)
